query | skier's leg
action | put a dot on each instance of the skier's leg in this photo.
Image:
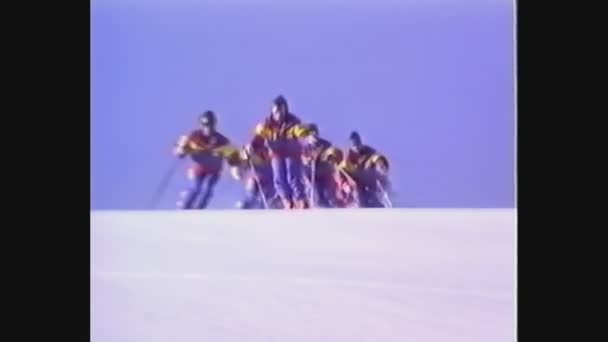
(307, 172)
(194, 190)
(320, 188)
(361, 194)
(325, 185)
(266, 187)
(373, 198)
(207, 192)
(360, 197)
(279, 177)
(251, 194)
(370, 192)
(273, 200)
(294, 171)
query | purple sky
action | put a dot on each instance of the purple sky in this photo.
(429, 85)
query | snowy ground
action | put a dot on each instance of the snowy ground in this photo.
(317, 275)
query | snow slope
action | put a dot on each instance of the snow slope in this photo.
(317, 275)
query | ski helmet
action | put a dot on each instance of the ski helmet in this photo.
(355, 137)
(208, 119)
(281, 102)
(314, 128)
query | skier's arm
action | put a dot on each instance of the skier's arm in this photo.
(255, 144)
(381, 163)
(250, 157)
(377, 162)
(262, 131)
(301, 131)
(229, 153)
(181, 147)
(236, 172)
(240, 164)
(232, 156)
(186, 145)
(333, 155)
(347, 164)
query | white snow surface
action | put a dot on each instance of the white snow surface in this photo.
(419, 275)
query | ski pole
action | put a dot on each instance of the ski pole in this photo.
(313, 166)
(387, 200)
(162, 186)
(258, 183)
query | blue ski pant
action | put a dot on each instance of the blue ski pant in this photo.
(200, 191)
(324, 183)
(287, 178)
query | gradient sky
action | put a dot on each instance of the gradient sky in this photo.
(430, 84)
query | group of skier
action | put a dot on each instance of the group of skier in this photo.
(285, 165)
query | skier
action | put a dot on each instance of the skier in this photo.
(208, 149)
(378, 187)
(369, 169)
(322, 158)
(282, 132)
(257, 173)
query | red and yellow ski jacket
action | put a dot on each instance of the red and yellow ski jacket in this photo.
(365, 167)
(366, 159)
(283, 138)
(208, 152)
(324, 152)
(258, 155)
